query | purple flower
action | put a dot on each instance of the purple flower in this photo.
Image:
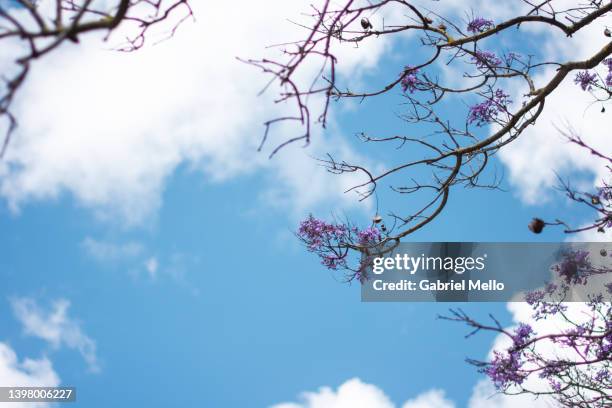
(602, 375)
(486, 59)
(605, 346)
(489, 110)
(586, 80)
(316, 233)
(368, 236)
(479, 25)
(522, 334)
(410, 79)
(608, 63)
(555, 385)
(505, 370)
(333, 261)
(605, 193)
(534, 297)
(574, 267)
(554, 368)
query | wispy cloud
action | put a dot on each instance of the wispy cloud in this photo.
(55, 327)
(151, 265)
(110, 251)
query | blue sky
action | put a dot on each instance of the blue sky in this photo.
(208, 300)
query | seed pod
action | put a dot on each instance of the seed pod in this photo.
(536, 225)
(365, 24)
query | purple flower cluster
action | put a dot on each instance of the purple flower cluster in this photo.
(586, 80)
(605, 193)
(555, 385)
(605, 344)
(410, 79)
(333, 261)
(608, 62)
(602, 375)
(368, 236)
(537, 296)
(534, 297)
(522, 334)
(573, 336)
(554, 368)
(486, 59)
(574, 267)
(505, 369)
(329, 240)
(479, 25)
(316, 232)
(487, 111)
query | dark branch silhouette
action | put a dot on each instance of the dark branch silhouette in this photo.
(457, 152)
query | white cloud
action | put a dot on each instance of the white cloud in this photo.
(26, 373)
(484, 395)
(430, 399)
(151, 265)
(108, 251)
(592, 236)
(55, 327)
(541, 150)
(354, 393)
(109, 128)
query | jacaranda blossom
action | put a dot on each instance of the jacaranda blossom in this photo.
(608, 62)
(410, 80)
(486, 59)
(586, 80)
(573, 267)
(368, 236)
(479, 25)
(505, 369)
(487, 111)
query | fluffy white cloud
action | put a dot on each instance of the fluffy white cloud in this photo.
(354, 393)
(55, 327)
(26, 373)
(109, 128)
(430, 399)
(484, 395)
(541, 150)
